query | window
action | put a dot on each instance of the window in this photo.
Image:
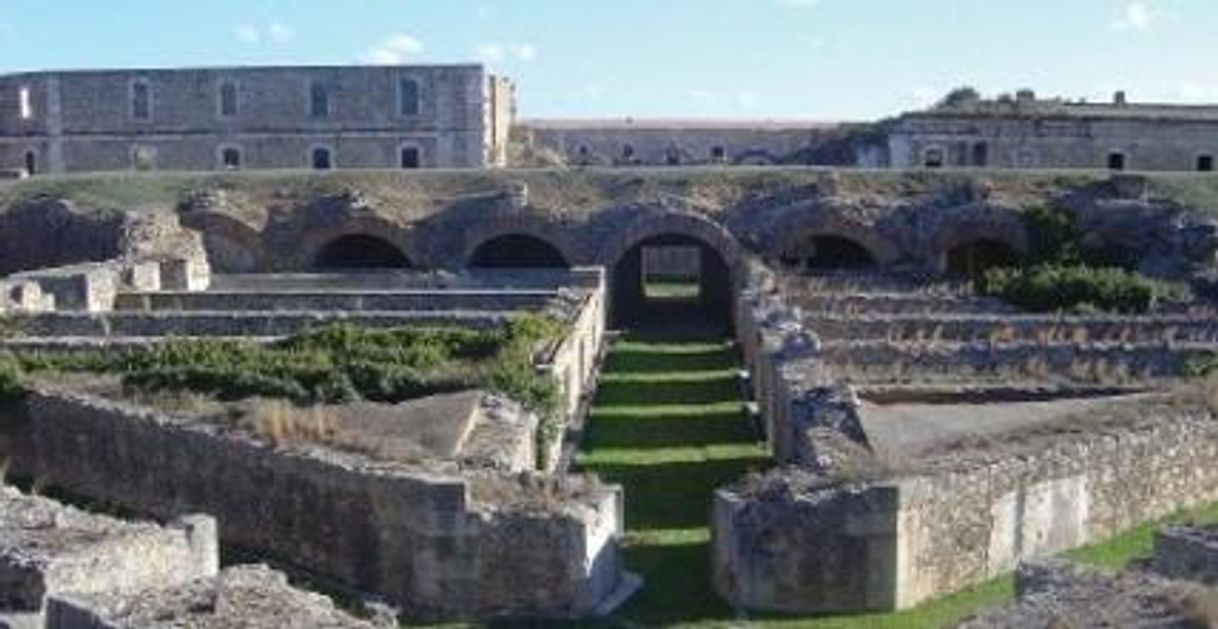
(410, 98)
(228, 99)
(31, 163)
(933, 158)
(672, 156)
(230, 158)
(1116, 161)
(628, 153)
(143, 158)
(141, 100)
(26, 103)
(411, 158)
(1205, 163)
(981, 155)
(322, 158)
(319, 100)
(718, 154)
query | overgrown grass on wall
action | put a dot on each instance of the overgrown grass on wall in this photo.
(1059, 273)
(335, 365)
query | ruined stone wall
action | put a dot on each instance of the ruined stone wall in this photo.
(927, 533)
(429, 541)
(83, 121)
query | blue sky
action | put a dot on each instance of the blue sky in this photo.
(815, 59)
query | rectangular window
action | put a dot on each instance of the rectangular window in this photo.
(26, 103)
(319, 101)
(410, 158)
(1116, 161)
(409, 92)
(1205, 163)
(141, 101)
(228, 99)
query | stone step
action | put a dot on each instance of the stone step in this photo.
(234, 324)
(976, 327)
(1109, 363)
(351, 300)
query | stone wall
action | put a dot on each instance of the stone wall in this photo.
(907, 537)
(440, 544)
(50, 549)
(1188, 552)
(83, 121)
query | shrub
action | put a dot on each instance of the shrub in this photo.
(1047, 288)
(10, 378)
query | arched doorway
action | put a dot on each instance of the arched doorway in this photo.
(973, 258)
(671, 276)
(360, 252)
(830, 253)
(517, 251)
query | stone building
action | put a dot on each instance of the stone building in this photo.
(454, 116)
(1027, 132)
(661, 142)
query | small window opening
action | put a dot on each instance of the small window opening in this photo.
(319, 101)
(141, 101)
(933, 158)
(1116, 161)
(230, 158)
(322, 159)
(228, 99)
(1205, 163)
(410, 158)
(27, 104)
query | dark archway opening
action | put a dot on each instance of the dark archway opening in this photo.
(973, 258)
(671, 278)
(361, 252)
(830, 253)
(517, 251)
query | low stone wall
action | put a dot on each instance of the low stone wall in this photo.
(799, 542)
(804, 408)
(47, 548)
(1008, 328)
(440, 544)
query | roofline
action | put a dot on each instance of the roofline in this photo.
(659, 124)
(244, 68)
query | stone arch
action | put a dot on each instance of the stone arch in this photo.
(720, 256)
(516, 251)
(232, 246)
(973, 238)
(556, 240)
(756, 157)
(795, 237)
(390, 241)
(360, 251)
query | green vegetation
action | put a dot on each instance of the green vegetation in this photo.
(1061, 274)
(10, 378)
(341, 364)
(1049, 288)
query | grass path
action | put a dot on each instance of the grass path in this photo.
(668, 425)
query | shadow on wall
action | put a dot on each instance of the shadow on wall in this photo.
(359, 251)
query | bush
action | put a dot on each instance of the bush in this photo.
(10, 378)
(1048, 288)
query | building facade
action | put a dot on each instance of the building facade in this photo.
(1027, 132)
(659, 142)
(255, 118)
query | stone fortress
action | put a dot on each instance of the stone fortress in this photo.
(360, 117)
(255, 118)
(922, 438)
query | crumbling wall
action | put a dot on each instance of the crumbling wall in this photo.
(956, 522)
(416, 537)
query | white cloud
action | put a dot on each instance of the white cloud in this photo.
(280, 33)
(498, 52)
(273, 32)
(1135, 15)
(393, 50)
(248, 33)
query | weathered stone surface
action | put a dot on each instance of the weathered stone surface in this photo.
(47, 548)
(1186, 552)
(252, 597)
